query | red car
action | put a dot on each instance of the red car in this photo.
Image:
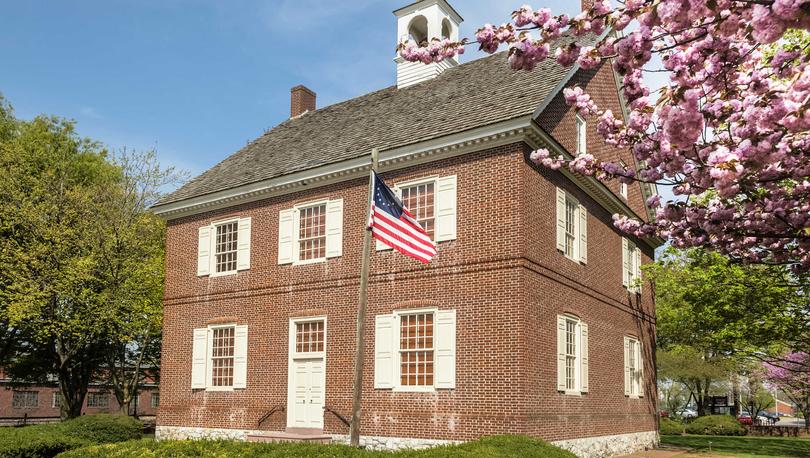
(745, 419)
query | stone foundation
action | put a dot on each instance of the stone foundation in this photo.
(610, 446)
(393, 443)
(587, 447)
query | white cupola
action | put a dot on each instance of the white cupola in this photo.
(421, 22)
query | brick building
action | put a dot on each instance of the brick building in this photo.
(35, 403)
(531, 320)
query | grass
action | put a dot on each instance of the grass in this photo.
(743, 447)
(491, 447)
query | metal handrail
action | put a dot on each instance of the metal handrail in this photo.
(338, 415)
(278, 408)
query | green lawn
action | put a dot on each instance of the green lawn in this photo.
(743, 446)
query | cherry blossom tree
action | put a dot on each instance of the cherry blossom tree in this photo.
(729, 132)
(792, 376)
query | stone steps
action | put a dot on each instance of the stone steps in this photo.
(292, 435)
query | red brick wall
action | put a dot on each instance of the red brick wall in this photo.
(489, 275)
(45, 403)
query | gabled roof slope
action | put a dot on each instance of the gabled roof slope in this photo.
(475, 94)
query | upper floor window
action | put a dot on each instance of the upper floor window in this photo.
(24, 399)
(633, 367)
(98, 399)
(572, 230)
(623, 185)
(631, 266)
(572, 355)
(582, 135)
(312, 233)
(224, 247)
(420, 200)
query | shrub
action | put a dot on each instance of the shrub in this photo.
(669, 427)
(492, 447)
(103, 428)
(716, 425)
(46, 441)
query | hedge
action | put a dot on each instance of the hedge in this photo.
(491, 447)
(46, 441)
(716, 425)
(669, 427)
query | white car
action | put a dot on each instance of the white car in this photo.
(689, 413)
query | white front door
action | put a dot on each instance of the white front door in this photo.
(307, 373)
(307, 400)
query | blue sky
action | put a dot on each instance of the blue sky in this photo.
(197, 79)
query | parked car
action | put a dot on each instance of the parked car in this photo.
(745, 418)
(688, 414)
(664, 414)
(768, 417)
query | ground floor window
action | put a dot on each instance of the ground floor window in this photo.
(98, 400)
(24, 399)
(416, 349)
(155, 400)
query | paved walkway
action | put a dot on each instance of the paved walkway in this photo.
(657, 454)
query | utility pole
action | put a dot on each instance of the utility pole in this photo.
(357, 393)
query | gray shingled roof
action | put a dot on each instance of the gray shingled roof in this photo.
(474, 94)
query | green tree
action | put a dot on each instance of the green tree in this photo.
(700, 374)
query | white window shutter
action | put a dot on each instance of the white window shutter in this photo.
(199, 358)
(240, 350)
(640, 363)
(384, 351)
(285, 236)
(627, 374)
(446, 197)
(561, 386)
(637, 267)
(561, 220)
(243, 244)
(584, 357)
(204, 251)
(583, 234)
(334, 228)
(445, 349)
(625, 263)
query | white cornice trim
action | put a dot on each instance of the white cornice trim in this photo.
(493, 135)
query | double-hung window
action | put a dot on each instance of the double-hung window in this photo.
(24, 399)
(155, 401)
(633, 367)
(572, 355)
(310, 232)
(572, 227)
(631, 266)
(420, 200)
(56, 400)
(224, 247)
(416, 350)
(219, 357)
(98, 400)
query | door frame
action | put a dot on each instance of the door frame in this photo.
(293, 355)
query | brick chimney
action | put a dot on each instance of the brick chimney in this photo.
(301, 100)
(587, 5)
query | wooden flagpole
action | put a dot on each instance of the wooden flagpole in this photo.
(357, 392)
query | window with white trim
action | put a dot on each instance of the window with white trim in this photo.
(572, 355)
(312, 233)
(155, 401)
(634, 367)
(571, 229)
(222, 356)
(98, 400)
(631, 266)
(309, 336)
(56, 400)
(225, 247)
(416, 349)
(420, 200)
(24, 399)
(582, 135)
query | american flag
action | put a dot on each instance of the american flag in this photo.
(392, 224)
